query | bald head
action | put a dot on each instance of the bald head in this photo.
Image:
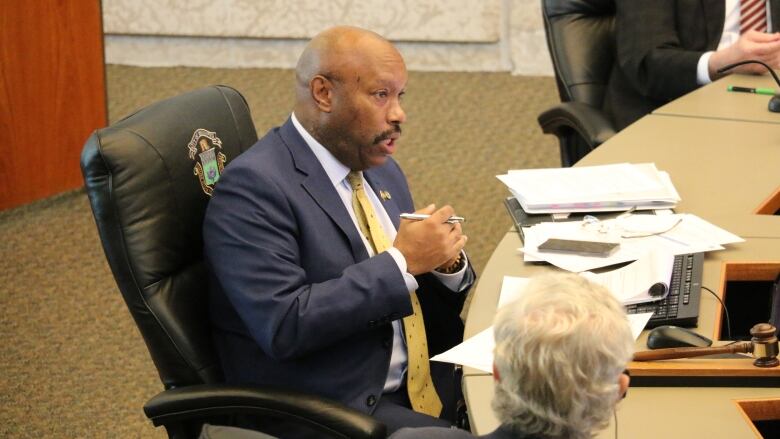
(349, 84)
(338, 53)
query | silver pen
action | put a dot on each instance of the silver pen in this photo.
(421, 216)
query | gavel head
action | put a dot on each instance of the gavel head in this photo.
(765, 345)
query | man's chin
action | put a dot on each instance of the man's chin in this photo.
(377, 160)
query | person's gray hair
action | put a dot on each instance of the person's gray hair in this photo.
(560, 350)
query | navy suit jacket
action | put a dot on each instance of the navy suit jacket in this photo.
(659, 43)
(295, 300)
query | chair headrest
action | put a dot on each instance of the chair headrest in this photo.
(554, 8)
(580, 37)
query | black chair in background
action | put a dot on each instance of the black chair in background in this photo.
(581, 40)
(149, 179)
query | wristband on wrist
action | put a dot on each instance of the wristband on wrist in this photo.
(454, 267)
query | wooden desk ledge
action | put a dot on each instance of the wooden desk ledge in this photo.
(702, 367)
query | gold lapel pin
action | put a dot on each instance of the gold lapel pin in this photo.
(385, 195)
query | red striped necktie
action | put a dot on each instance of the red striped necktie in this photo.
(752, 16)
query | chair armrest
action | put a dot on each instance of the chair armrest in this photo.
(590, 123)
(202, 401)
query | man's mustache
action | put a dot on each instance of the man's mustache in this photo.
(387, 134)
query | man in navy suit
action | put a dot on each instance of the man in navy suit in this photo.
(559, 363)
(303, 296)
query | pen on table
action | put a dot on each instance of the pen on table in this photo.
(758, 91)
(421, 216)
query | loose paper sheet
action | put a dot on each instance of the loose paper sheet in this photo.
(477, 351)
(631, 284)
(687, 234)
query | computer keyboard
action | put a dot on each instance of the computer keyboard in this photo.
(681, 306)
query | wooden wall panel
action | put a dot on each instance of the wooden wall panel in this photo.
(52, 94)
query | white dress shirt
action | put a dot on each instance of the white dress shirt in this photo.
(337, 172)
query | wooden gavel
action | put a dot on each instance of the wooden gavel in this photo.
(763, 346)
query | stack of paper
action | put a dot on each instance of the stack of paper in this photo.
(592, 188)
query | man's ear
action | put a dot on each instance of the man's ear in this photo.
(322, 92)
(623, 380)
(496, 376)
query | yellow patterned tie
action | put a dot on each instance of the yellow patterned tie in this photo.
(419, 384)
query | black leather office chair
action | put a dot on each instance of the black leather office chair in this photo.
(581, 40)
(149, 178)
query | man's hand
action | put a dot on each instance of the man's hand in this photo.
(430, 243)
(751, 45)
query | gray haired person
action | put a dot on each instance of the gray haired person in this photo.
(559, 365)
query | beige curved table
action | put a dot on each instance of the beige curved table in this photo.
(723, 168)
(715, 102)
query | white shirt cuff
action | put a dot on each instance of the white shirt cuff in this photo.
(703, 69)
(453, 281)
(400, 260)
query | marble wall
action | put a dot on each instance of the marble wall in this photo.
(438, 35)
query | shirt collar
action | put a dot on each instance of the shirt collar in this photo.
(336, 170)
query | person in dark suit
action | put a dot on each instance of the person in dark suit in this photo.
(667, 48)
(559, 362)
(317, 284)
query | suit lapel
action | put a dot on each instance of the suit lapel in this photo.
(379, 187)
(320, 188)
(774, 11)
